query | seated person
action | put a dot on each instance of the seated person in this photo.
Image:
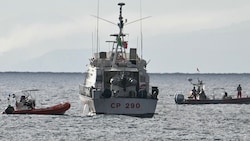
(225, 96)
(21, 105)
(23, 99)
(202, 95)
(25, 104)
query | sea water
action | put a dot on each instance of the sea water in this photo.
(171, 121)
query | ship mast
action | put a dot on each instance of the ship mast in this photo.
(119, 37)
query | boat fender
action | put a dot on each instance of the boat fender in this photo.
(142, 93)
(10, 109)
(179, 98)
(107, 93)
(131, 93)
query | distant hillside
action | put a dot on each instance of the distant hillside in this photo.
(55, 61)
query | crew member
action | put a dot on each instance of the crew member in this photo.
(239, 89)
(194, 93)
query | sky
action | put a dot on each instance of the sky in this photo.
(180, 35)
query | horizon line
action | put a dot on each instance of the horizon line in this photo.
(148, 72)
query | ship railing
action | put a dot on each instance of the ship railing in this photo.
(86, 91)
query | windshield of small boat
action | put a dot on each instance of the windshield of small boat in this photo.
(23, 94)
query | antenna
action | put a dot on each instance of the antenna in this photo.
(141, 30)
(103, 19)
(97, 30)
(138, 20)
(92, 43)
(119, 37)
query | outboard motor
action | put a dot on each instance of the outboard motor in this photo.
(10, 109)
(179, 98)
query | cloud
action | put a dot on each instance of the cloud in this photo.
(183, 20)
(197, 19)
(24, 35)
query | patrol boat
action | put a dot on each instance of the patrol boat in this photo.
(117, 82)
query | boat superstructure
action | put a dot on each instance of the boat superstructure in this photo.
(117, 82)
